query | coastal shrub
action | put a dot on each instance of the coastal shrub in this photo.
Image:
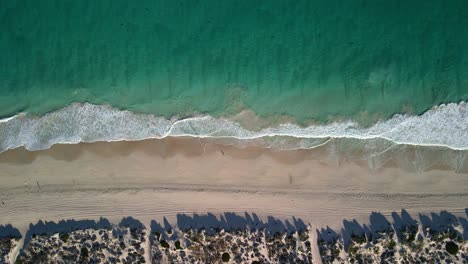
(177, 245)
(335, 252)
(133, 233)
(225, 257)
(64, 237)
(353, 249)
(360, 239)
(164, 244)
(391, 244)
(157, 235)
(20, 261)
(84, 252)
(411, 237)
(451, 247)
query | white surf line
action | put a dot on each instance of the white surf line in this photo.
(206, 127)
(4, 120)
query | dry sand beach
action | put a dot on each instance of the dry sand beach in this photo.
(152, 179)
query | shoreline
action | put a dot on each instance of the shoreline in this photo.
(442, 126)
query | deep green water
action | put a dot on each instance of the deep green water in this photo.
(308, 59)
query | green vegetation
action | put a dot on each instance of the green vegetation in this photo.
(353, 249)
(157, 235)
(64, 237)
(360, 239)
(376, 250)
(451, 247)
(164, 244)
(134, 234)
(82, 247)
(411, 237)
(335, 252)
(225, 257)
(391, 244)
(84, 253)
(196, 238)
(177, 245)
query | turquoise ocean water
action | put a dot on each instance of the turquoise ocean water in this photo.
(310, 60)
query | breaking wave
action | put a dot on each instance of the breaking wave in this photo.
(444, 125)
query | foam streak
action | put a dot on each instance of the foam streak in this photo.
(444, 125)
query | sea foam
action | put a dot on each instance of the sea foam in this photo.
(444, 125)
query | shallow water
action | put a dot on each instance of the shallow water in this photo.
(307, 59)
(443, 126)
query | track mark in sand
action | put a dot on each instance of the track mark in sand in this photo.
(391, 197)
(327, 220)
(362, 195)
(350, 192)
(365, 196)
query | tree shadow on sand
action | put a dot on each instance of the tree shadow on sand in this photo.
(9, 231)
(401, 223)
(64, 226)
(231, 222)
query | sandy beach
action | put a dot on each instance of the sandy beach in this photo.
(152, 179)
(157, 179)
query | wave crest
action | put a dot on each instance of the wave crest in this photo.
(444, 125)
